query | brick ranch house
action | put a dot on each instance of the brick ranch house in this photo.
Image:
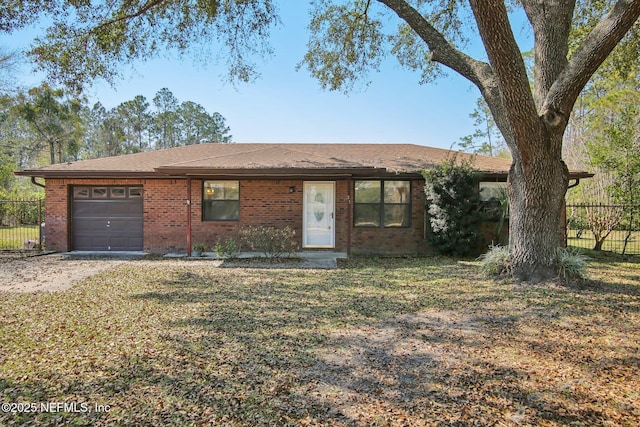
(353, 198)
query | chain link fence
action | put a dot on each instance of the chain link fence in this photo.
(21, 224)
(613, 228)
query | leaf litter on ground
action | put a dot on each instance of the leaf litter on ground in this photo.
(400, 342)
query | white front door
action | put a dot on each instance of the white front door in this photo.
(318, 220)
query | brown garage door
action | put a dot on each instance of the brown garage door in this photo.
(107, 219)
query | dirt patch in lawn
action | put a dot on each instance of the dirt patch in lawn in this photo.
(49, 273)
(28, 272)
(23, 272)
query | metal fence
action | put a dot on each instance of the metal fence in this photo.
(613, 228)
(21, 223)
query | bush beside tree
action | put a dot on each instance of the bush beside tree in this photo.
(454, 208)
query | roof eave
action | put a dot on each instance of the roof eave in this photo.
(172, 172)
(204, 172)
(84, 174)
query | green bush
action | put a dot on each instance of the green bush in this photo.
(454, 208)
(496, 262)
(229, 248)
(571, 264)
(273, 242)
(14, 212)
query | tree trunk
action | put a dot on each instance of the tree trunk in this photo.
(537, 191)
(52, 151)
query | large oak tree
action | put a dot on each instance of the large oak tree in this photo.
(91, 39)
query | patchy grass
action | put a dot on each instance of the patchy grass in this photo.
(376, 342)
(613, 243)
(14, 237)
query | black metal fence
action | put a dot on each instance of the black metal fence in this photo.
(614, 228)
(21, 223)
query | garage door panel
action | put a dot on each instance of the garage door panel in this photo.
(88, 209)
(124, 243)
(105, 224)
(106, 208)
(91, 243)
(124, 208)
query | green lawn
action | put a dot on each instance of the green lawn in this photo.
(613, 243)
(406, 342)
(14, 237)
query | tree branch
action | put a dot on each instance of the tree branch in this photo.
(442, 51)
(551, 23)
(588, 57)
(477, 72)
(125, 17)
(508, 66)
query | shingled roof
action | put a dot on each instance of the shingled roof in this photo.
(270, 160)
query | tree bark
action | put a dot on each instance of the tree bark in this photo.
(598, 245)
(536, 194)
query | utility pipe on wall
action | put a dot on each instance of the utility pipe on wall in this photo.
(188, 217)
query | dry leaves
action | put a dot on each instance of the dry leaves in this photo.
(425, 342)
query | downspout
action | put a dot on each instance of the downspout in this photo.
(189, 217)
(34, 182)
(349, 215)
(575, 184)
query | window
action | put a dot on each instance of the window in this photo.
(494, 197)
(118, 193)
(382, 204)
(221, 201)
(492, 190)
(135, 192)
(99, 192)
(81, 192)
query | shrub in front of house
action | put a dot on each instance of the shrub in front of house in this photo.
(228, 248)
(454, 208)
(198, 249)
(272, 242)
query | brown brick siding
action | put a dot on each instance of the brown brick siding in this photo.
(270, 203)
(165, 213)
(57, 206)
(262, 202)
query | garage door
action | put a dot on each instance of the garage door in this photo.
(107, 219)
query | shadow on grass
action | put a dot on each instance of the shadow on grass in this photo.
(612, 273)
(405, 342)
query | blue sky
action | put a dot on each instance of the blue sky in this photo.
(286, 105)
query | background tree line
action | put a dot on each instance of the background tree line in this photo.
(46, 125)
